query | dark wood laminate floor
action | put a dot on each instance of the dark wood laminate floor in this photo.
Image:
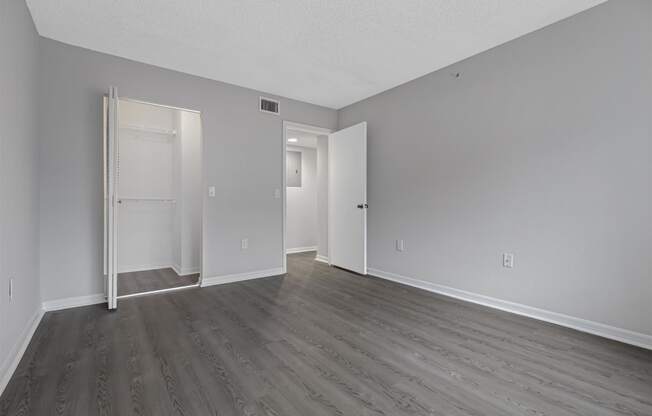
(319, 341)
(148, 280)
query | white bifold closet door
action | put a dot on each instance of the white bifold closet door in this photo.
(111, 171)
(347, 198)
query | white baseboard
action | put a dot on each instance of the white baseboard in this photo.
(144, 267)
(178, 270)
(238, 277)
(16, 353)
(321, 258)
(595, 328)
(184, 272)
(300, 249)
(65, 303)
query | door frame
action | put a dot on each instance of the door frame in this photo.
(203, 196)
(306, 128)
(109, 144)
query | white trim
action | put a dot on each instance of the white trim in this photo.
(204, 199)
(300, 249)
(284, 201)
(153, 292)
(113, 142)
(65, 303)
(184, 272)
(145, 267)
(306, 128)
(159, 105)
(284, 144)
(238, 277)
(105, 115)
(16, 353)
(322, 259)
(583, 325)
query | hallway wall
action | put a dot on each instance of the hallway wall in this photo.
(302, 203)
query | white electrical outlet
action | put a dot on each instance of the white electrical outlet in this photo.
(508, 260)
(211, 191)
(244, 244)
(277, 193)
(400, 245)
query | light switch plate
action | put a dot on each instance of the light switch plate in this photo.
(211, 191)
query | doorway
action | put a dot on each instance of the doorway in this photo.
(305, 170)
(325, 194)
(158, 200)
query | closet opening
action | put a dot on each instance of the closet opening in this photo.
(159, 198)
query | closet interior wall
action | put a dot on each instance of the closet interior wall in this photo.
(302, 231)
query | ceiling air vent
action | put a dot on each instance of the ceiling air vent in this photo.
(267, 105)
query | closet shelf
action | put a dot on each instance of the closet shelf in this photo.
(146, 129)
(132, 199)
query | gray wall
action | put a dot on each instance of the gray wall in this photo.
(18, 177)
(540, 148)
(239, 142)
(302, 203)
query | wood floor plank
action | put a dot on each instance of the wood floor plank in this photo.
(318, 341)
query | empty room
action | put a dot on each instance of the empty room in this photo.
(305, 207)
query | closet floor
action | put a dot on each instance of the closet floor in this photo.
(148, 280)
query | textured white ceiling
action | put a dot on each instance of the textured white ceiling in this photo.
(327, 52)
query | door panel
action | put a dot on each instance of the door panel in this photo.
(347, 198)
(110, 147)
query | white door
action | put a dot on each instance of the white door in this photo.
(347, 198)
(110, 150)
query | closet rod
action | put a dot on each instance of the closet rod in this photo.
(149, 129)
(171, 201)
